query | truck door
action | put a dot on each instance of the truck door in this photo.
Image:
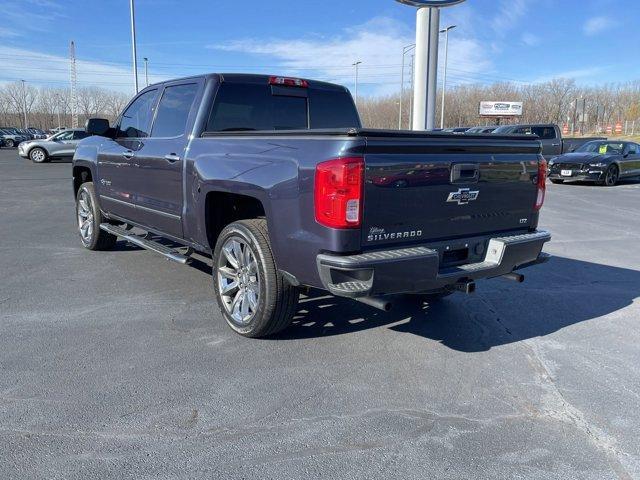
(117, 158)
(550, 138)
(157, 181)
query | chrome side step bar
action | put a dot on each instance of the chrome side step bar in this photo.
(167, 252)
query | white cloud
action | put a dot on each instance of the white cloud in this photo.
(583, 73)
(53, 70)
(596, 25)
(530, 40)
(8, 33)
(509, 14)
(377, 44)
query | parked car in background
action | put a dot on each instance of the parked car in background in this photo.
(37, 133)
(456, 130)
(550, 135)
(603, 162)
(60, 145)
(485, 129)
(11, 137)
(57, 129)
(276, 179)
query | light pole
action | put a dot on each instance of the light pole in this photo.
(24, 103)
(357, 64)
(146, 70)
(406, 49)
(426, 60)
(133, 45)
(444, 77)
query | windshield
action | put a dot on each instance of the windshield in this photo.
(602, 148)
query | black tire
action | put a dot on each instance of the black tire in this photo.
(38, 155)
(557, 182)
(611, 176)
(10, 143)
(98, 239)
(277, 299)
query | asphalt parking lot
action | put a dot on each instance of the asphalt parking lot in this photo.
(117, 365)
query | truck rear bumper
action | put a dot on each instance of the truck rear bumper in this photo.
(418, 269)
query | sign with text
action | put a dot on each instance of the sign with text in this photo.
(500, 109)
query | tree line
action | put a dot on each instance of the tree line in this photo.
(557, 101)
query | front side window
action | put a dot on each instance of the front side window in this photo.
(173, 110)
(137, 118)
(546, 133)
(68, 135)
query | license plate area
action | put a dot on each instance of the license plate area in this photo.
(566, 173)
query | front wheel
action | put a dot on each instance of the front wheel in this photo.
(611, 176)
(38, 155)
(10, 143)
(89, 219)
(253, 296)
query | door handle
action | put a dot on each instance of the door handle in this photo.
(172, 158)
(555, 144)
(128, 154)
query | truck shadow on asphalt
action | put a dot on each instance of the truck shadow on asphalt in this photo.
(557, 295)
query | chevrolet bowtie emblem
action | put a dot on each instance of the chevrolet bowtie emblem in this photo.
(463, 196)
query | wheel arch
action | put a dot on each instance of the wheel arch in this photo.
(81, 173)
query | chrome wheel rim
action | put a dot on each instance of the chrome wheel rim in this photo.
(238, 280)
(37, 155)
(85, 217)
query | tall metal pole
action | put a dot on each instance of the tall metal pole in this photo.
(57, 97)
(146, 70)
(426, 69)
(24, 103)
(133, 45)
(413, 87)
(356, 64)
(405, 50)
(444, 77)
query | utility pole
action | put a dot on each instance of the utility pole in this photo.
(24, 103)
(74, 85)
(413, 89)
(444, 77)
(405, 50)
(133, 46)
(146, 70)
(357, 64)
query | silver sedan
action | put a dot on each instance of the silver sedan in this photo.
(62, 144)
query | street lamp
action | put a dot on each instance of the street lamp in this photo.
(356, 64)
(133, 45)
(146, 70)
(406, 49)
(426, 58)
(444, 77)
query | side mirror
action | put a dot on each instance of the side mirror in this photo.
(97, 126)
(573, 149)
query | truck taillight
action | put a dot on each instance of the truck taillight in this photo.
(288, 82)
(338, 192)
(542, 184)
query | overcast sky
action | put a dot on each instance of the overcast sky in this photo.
(592, 41)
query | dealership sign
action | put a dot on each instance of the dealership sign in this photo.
(500, 109)
(430, 3)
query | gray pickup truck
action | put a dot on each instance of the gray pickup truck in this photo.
(550, 136)
(278, 182)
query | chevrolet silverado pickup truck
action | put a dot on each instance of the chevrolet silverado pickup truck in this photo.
(275, 179)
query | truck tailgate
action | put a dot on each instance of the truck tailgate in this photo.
(430, 189)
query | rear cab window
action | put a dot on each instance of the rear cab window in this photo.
(258, 106)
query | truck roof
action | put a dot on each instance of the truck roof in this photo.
(256, 78)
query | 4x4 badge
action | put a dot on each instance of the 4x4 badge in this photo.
(463, 196)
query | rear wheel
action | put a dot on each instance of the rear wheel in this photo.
(611, 176)
(89, 220)
(557, 182)
(38, 155)
(253, 296)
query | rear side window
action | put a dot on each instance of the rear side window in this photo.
(173, 110)
(137, 118)
(245, 107)
(546, 133)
